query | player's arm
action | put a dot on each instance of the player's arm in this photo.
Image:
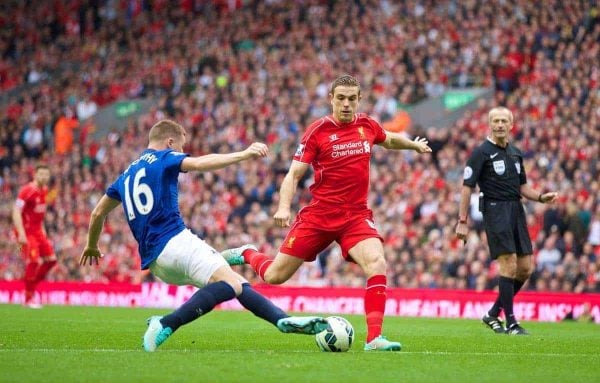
(530, 194)
(463, 212)
(44, 232)
(287, 191)
(91, 252)
(218, 161)
(396, 141)
(471, 175)
(18, 221)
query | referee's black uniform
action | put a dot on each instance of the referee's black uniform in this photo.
(499, 172)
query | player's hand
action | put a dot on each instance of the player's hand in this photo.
(549, 197)
(282, 217)
(257, 150)
(91, 255)
(22, 238)
(461, 231)
(422, 145)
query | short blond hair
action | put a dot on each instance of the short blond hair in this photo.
(164, 129)
(500, 109)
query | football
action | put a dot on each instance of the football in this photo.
(338, 336)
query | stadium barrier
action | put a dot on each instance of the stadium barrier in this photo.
(546, 306)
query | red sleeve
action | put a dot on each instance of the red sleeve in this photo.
(308, 148)
(378, 131)
(25, 193)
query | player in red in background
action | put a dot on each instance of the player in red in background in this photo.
(339, 149)
(28, 216)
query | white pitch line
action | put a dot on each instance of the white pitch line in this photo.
(434, 353)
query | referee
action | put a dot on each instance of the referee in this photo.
(497, 167)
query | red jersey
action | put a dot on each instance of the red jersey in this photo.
(32, 202)
(340, 154)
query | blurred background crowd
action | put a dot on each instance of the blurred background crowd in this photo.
(235, 72)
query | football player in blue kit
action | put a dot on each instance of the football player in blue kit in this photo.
(147, 189)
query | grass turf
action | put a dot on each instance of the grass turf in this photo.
(97, 344)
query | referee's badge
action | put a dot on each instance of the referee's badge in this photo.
(518, 166)
(499, 167)
(467, 173)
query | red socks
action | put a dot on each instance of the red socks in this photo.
(375, 298)
(43, 270)
(34, 274)
(30, 280)
(258, 261)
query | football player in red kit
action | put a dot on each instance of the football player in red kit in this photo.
(28, 217)
(338, 147)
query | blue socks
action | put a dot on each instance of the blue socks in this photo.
(203, 301)
(259, 305)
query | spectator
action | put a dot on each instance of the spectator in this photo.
(549, 256)
(63, 133)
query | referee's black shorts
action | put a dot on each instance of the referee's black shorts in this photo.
(506, 228)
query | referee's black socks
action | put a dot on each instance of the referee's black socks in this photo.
(495, 310)
(507, 292)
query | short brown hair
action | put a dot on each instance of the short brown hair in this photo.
(41, 165)
(345, 80)
(164, 129)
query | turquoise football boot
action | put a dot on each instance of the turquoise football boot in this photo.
(302, 325)
(234, 256)
(382, 344)
(156, 334)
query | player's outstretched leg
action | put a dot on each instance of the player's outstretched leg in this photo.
(516, 329)
(156, 334)
(382, 344)
(234, 256)
(265, 309)
(302, 325)
(494, 323)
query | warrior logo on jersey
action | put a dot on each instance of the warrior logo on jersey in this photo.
(361, 132)
(300, 150)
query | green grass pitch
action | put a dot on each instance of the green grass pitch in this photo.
(94, 344)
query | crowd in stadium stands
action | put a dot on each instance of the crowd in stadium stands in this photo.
(233, 73)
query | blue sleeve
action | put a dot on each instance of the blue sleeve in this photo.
(113, 191)
(172, 161)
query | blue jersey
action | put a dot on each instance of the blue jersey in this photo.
(148, 192)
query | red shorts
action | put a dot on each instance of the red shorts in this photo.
(37, 246)
(314, 229)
